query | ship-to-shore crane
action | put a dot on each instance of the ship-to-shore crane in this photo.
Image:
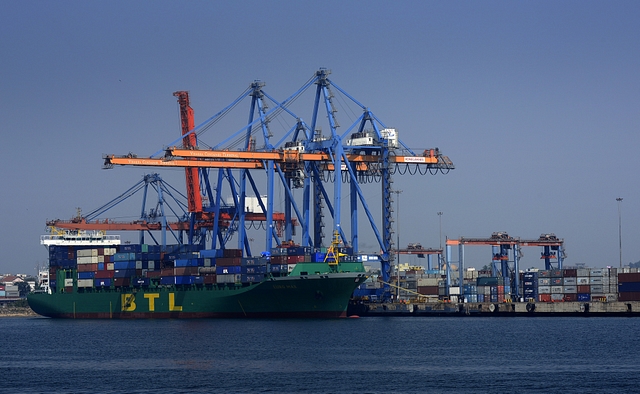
(302, 158)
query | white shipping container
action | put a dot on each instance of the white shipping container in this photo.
(138, 264)
(228, 278)
(570, 289)
(544, 281)
(110, 266)
(557, 297)
(454, 290)
(611, 297)
(597, 289)
(544, 289)
(11, 288)
(570, 281)
(100, 259)
(556, 289)
(85, 282)
(151, 265)
(68, 282)
(582, 272)
(595, 272)
(207, 262)
(83, 253)
(595, 280)
(582, 281)
(428, 282)
(84, 260)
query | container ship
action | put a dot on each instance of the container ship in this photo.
(95, 276)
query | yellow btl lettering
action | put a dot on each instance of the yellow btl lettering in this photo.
(128, 302)
(152, 300)
(172, 304)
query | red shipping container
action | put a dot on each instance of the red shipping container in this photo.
(181, 271)
(153, 274)
(573, 297)
(584, 289)
(166, 272)
(87, 267)
(210, 279)
(278, 259)
(118, 282)
(104, 274)
(295, 259)
(228, 261)
(100, 251)
(428, 290)
(68, 289)
(629, 296)
(570, 273)
(544, 297)
(629, 277)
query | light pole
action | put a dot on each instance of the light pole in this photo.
(397, 192)
(619, 200)
(440, 239)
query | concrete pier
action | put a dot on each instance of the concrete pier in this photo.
(629, 308)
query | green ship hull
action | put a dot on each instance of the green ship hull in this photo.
(323, 294)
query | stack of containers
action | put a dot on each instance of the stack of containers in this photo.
(629, 285)
(470, 293)
(253, 269)
(557, 288)
(494, 289)
(530, 286)
(229, 266)
(611, 285)
(544, 286)
(11, 291)
(596, 281)
(428, 285)
(582, 285)
(570, 283)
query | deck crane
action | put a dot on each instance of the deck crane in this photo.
(303, 158)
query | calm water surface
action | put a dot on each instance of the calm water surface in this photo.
(366, 355)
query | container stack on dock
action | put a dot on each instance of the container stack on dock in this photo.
(570, 285)
(629, 286)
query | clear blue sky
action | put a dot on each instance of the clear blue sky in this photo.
(537, 103)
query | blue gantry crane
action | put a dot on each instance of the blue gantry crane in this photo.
(301, 157)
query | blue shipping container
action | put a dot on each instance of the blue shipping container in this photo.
(185, 280)
(102, 282)
(234, 269)
(584, 297)
(629, 287)
(86, 275)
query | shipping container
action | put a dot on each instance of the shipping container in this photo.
(544, 282)
(629, 277)
(628, 287)
(629, 296)
(544, 297)
(571, 281)
(582, 297)
(584, 289)
(102, 282)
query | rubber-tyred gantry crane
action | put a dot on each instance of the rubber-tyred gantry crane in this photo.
(301, 158)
